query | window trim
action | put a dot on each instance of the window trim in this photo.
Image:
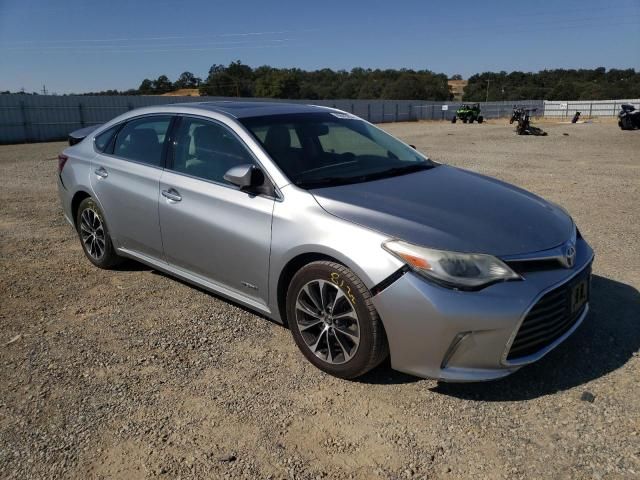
(277, 195)
(121, 125)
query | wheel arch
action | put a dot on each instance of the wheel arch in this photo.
(289, 270)
(78, 197)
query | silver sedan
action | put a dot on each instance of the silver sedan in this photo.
(315, 218)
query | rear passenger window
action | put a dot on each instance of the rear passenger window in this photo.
(207, 150)
(103, 141)
(141, 140)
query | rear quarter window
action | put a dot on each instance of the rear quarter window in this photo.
(103, 141)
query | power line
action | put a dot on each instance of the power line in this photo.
(164, 37)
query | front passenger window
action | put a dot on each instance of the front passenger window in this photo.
(207, 150)
(142, 140)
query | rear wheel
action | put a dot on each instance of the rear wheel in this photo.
(333, 321)
(94, 235)
(480, 119)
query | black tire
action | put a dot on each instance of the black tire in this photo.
(453, 120)
(464, 119)
(480, 119)
(107, 257)
(372, 347)
(471, 119)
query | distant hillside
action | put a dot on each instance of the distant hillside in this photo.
(183, 92)
(457, 88)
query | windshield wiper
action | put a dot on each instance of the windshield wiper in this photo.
(326, 181)
(403, 170)
(390, 172)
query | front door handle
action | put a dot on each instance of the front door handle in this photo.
(172, 194)
(101, 172)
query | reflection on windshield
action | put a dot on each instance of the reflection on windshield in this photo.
(322, 149)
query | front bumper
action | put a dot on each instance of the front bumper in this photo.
(461, 336)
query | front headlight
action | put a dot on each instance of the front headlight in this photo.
(452, 269)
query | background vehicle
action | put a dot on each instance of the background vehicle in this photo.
(468, 114)
(320, 220)
(629, 117)
(523, 117)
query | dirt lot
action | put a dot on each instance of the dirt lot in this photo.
(130, 374)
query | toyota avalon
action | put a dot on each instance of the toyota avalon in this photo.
(362, 245)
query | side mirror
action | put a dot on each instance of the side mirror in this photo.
(246, 176)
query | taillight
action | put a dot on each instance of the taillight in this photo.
(62, 159)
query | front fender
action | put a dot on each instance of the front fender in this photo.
(300, 226)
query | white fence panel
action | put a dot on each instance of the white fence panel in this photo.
(589, 108)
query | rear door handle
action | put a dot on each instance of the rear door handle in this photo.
(172, 194)
(101, 172)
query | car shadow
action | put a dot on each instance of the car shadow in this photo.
(215, 295)
(605, 341)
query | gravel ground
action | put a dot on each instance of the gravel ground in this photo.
(131, 374)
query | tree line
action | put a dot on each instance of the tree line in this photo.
(559, 84)
(240, 80)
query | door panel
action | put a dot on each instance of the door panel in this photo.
(126, 181)
(217, 232)
(129, 198)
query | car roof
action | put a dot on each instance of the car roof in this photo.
(253, 109)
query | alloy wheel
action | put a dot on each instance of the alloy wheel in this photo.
(92, 233)
(327, 321)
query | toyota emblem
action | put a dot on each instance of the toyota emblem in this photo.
(570, 256)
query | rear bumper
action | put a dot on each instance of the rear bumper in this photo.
(465, 336)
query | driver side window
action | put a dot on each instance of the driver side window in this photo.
(207, 150)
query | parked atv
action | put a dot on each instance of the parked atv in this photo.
(468, 114)
(629, 117)
(524, 127)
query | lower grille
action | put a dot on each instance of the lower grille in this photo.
(549, 319)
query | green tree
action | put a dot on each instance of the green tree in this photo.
(162, 85)
(146, 87)
(187, 80)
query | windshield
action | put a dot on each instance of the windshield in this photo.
(327, 148)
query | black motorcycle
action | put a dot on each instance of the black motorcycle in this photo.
(522, 116)
(629, 117)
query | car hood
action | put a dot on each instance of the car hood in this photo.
(451, 209)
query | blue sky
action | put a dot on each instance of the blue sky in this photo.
(88, 45)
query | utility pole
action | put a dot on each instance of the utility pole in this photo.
(44, 89)
(486, 98)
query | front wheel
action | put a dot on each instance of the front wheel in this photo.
(333, 321)
(480, 119)
(94, 235)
